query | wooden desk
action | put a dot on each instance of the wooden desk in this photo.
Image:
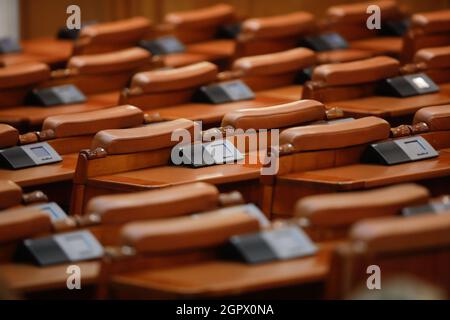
(57, 172)
(217, 49)
(27, 278)
(391, 107)
(219, 278)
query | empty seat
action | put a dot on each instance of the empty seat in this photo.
(387, 243)
(99, 77)
(350, 20)
(355, 88)
(328, 216)
(174, 94)
(428, 29)
(68, 134)
(330, 158)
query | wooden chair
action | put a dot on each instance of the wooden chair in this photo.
(434, 62)
(142, 159)
(93, 39)
(324, 159)
(276, 75)
(416, 246)
(67, 134)
(354, 88)
(183, 258)
(198, 29)
(105, 217)
(99, 77)
(172, 93)
(428, 29)
(330, 216)
(349, 20)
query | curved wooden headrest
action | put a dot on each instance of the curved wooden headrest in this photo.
(336, 135)
(285, 25)
(23, 74)
(388, 235)
(431, 22)
(9, 136)
(279, 116)
(164, 203)
(356, 72)
(85, 123)
(145, 138)
(127, 59)
(276, 63)
(127, 30)
(191, 76)
(204, 230)
(10, 194)
(434, 58)
(202, 17)
(20, 223)
(342, 209)
(356, 12)
(437, 117)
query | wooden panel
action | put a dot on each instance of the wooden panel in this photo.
(44, 17)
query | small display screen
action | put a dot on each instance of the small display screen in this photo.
(420, 83)
(237, 90)
(50, 210)
(78, 243)
(416, 147)
(40, 152)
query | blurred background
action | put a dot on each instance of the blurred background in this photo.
(34, 18)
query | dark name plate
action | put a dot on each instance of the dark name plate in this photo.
(324, 42)
(163, 45)
(408, 86)
(61, 248)
(225, 92)
(278, 244)
(31, 155)
(400, 151)
(60, 95)
(206, 154)
(9, 45)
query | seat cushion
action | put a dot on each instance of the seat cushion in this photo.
(182, 59)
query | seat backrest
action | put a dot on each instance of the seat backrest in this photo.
(328, 216)
(435, 62)
(417, 246)
(273, 34)
(9, 136)
(275, 69)
(437, 118)
(200, 24)
(112, 36)
(17, 80)
(168, 87)
(350, 80)
(350, 20)
(428, 29)
(97, 73)
(71, 133)
(10, 194)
